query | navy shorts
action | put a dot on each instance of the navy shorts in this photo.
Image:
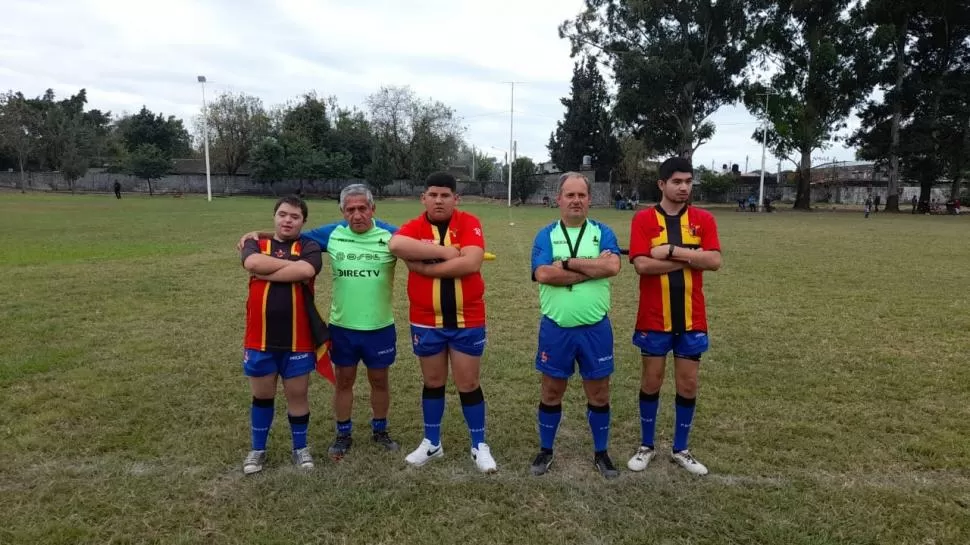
(561, 347)
(257, 363)
(428, 341)
(689, 345)
(377, 348)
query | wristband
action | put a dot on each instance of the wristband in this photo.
(565, 264)
(670, 252)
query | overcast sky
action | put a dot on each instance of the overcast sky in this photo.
(129, 53)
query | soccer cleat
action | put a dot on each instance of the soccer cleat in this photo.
(384, 439)
(482, 456)
(687, 461)
(340, 447)
(541, 463)
(254, 462)
(605, 466)
(641, 459)
(424, 453)
(302, 458)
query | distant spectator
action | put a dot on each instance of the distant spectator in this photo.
(117, 189)
(618, 199)
(868, 206)
(915, 202)
(875, 203)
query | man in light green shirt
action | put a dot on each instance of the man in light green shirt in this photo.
(361, 311)
(573, 259)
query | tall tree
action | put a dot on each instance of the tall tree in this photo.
(634, 163)
(268, 162)
(352, 134)
(525, 178)
(820, 77)
(587, 125)
(674, 63)
(309, 120)
(237, 122)
(19, 129)
(168, 135)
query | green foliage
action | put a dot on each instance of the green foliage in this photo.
(148, 163)
(674, 63)
(715, 185)
(168, 135)
(587, 125)
(526, 178)
(236, 123)
(268, 161)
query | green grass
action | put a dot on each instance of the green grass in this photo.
(834, 403)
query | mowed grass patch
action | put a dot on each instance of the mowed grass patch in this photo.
(833, 406)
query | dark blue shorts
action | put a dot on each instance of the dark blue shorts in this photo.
(689, 345)
(428, 341)
(561, 347)
(257, 363)
(377, 348)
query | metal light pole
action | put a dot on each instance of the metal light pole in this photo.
(205, 138)
(511, 143)
(764, 143)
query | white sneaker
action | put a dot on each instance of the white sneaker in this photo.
(424, 453)
(482, 456)
(687, 461)
(302, 458)
(254, 462)
(641, 459)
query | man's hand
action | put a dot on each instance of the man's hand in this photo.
(660, 252)
(418, 267)
(252, 235)
(451, 252)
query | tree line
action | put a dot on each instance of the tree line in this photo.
(801, 66)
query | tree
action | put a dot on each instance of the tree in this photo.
(587, 125)
(420, 136)
(674, 63)
(380, 172)
(268, 162)
(308, 120)
(149, 163)
(19, 129)
(352, 134)
(168, 135)
(634, 163)
(820, 77)
(236, 122)
(526, 179)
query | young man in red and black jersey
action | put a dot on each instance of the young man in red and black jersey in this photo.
(443, 249)
(671, 245)
(279, 341)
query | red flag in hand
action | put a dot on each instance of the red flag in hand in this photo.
(324, 365)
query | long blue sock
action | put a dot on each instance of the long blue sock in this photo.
(549, 417)
(378, 425)
(345, 427)
(599, 424)
(260, 421)
(298, 428)
(473, 407)
(683, 420)
(433, 408)
(649, 406)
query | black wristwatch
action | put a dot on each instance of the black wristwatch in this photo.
(670, 252)
(565, 264)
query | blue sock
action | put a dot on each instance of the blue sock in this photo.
(599, 424)
(649, 406)
(378, 424)
(260, 420)
(549, 417)
(473, 407)
(298, 427)
(684, 418)
(345, 427)
(433, 409)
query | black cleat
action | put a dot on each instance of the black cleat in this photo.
(541, 463)
(340, 447)
(384, 439)
(605, 466)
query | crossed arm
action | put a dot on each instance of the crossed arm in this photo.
(660, 261)
(274, 269)
(437, 261)
(580, 270)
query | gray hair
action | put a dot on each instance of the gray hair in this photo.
(567, 175)
(354, 190)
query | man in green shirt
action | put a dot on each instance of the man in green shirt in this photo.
(361, 311)
(572, 259)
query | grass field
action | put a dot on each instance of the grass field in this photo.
(834, 403)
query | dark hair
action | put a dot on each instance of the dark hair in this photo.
(674, 164)
(441, 179)
(292, 200)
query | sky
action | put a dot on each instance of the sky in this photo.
(128, 54)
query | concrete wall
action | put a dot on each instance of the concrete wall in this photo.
(100, 181)
(853, 195)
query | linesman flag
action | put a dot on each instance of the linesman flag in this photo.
(321, 337)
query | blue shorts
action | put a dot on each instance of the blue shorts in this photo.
(561, 347)
(689, 345)
(428, 341)
(257, 363)
(376, 348)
